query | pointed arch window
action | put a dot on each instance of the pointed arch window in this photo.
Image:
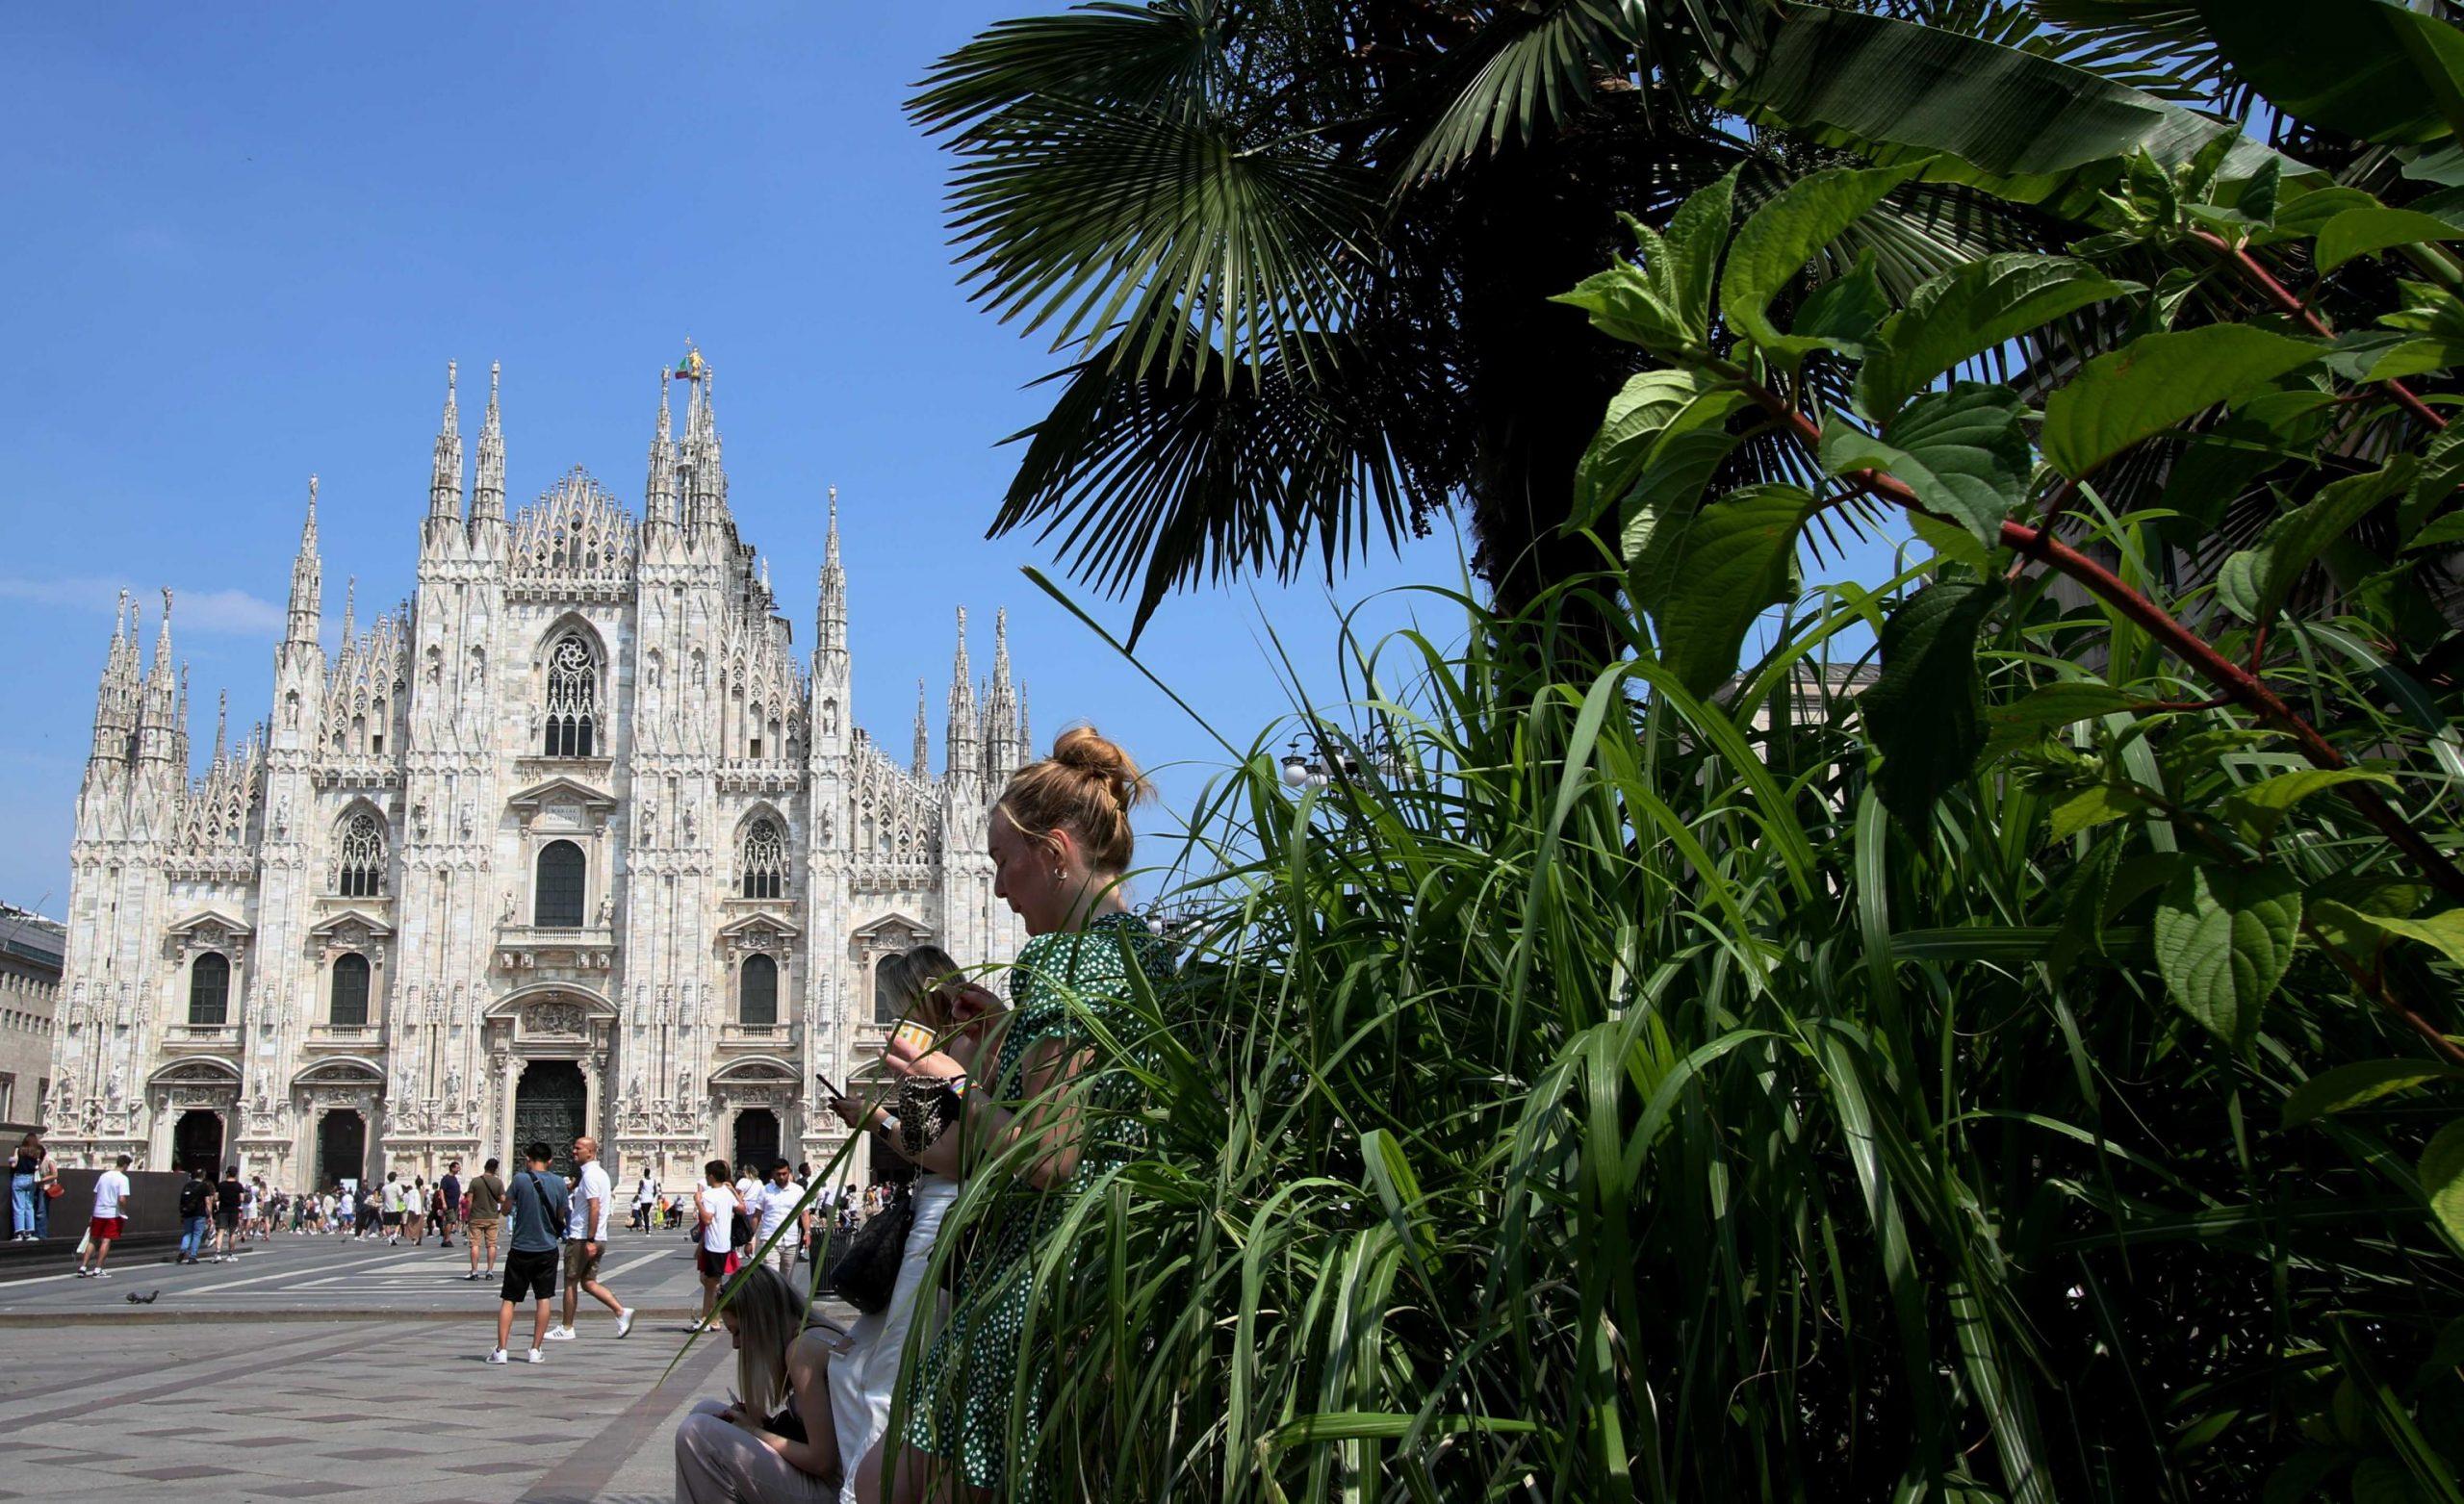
(556, 903)
(572, 698)
(758, 995)
(359, 869)
(762, 871)
(210, 991)
(350, 1005)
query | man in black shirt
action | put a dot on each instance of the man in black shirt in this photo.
(197, 1200)
(449, 1192)
(227, 1196)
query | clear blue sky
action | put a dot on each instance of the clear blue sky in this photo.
(244, 243)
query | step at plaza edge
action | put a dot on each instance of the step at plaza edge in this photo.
(571, 842)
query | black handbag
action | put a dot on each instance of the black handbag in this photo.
(867, 1274)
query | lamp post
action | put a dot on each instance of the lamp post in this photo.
(1325, 765)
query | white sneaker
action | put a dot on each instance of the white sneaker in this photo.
(560, 1334)
(624, 1321)
(102, 1274)
(498, 1356)
(538, 1356)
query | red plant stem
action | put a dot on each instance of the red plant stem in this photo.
(2375, 988)
(2290, 302)
(2237, 683)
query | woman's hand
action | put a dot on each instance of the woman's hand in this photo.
(853, 1115)
(903, 1058)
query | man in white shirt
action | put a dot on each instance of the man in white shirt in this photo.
(778, 1205)
(644, 1197)
(586, 1212)
(110, 1219)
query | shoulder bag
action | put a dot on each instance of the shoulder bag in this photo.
(867, 1274)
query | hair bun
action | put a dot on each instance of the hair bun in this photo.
(1086, 750)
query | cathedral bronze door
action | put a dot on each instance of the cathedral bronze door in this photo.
(198, 1141)
(341, 1148)
(756, 1141)
(549, 1108)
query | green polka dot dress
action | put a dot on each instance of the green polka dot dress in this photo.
(965, 1382)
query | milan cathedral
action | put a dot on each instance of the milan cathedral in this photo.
(570, 842)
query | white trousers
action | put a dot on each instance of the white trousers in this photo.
(862, 1380)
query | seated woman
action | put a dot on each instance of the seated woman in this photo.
(745, 1451)
(926, 987)
(1060, 840)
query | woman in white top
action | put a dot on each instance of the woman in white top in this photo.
(925, 985)
(717, 1214)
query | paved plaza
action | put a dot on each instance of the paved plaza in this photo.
(316, 1367)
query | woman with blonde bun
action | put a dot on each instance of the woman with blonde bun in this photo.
(1060, 840)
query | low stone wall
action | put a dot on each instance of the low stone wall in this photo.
(153, 1204)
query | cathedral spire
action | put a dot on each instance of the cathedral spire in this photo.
(1003, 750)
(957, 748)
(830, 624)
(658, 490)
(445, 476)
(351, 613)
(115, 697)
(222, 728)
(923, 755)
(158, 702)
(487, 488)
(307, 578)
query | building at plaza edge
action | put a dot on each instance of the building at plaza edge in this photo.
(572, 841)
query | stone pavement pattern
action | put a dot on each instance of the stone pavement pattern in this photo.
(317, 1368)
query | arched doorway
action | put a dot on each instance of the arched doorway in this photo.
(550, 1106)
(341, 1147)
(198, 1140)
(756, 1141)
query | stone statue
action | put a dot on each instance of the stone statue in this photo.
(633, 1087)
(118, 1085)
(505, 915)
(453, 1084)
(282, 816)
(265, 1092)
(606, 908)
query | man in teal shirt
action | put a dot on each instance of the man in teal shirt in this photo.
(538, 1217)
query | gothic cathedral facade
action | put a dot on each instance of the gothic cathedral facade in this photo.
(571, 842)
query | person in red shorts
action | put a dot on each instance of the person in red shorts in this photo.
(111, 1203)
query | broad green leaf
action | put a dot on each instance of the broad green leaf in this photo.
(1963, 451)
(2259, 809)
(2021, 126)
(2370, 355)
(1625, 305)
(1651, 406)
(2356, 1084)
(2444, 932)
(1670, 487)
(1949, 539)
(2306, 214)
(1844, 312)
(2094, 807)
(2365, 232)
(2441, 470)
(2442, 1172)
(1664, 302)
(2223, 939)
(1925, 713)
(2293, 542)
(2445, 532)
(1968, 310)
(1705, 577)
(2053, 706)
(2159, 380)
(1779, 239)
(2238, 582)
(2363, 68)
(2429, 310)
